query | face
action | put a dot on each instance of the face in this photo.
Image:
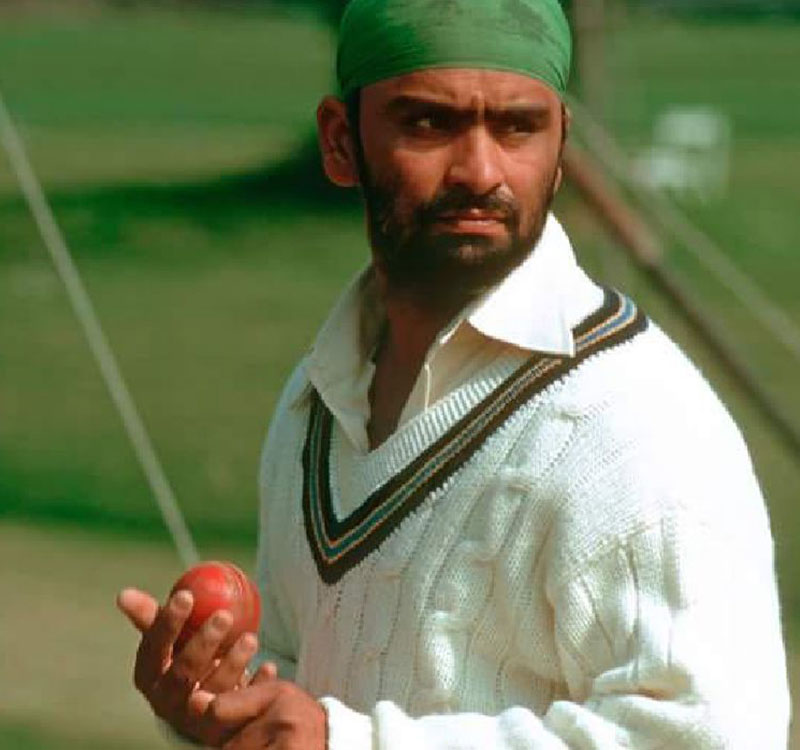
(458, 169)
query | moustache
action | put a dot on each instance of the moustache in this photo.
(461, 199)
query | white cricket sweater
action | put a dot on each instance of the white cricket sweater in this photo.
(598, 574)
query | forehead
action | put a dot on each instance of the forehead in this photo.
(463, 88)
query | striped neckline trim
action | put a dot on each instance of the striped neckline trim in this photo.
(338, 545)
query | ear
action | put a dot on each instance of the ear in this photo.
(336, 143)
(559, 178)
(566, 124)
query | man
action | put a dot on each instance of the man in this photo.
(499, 508)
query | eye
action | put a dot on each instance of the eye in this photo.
(427, 123)
(423, 123)
(519, 125)
(515, 126)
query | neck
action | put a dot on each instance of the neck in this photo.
(413, 322)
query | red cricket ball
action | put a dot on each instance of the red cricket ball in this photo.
(215, 586)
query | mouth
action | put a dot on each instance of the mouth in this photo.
(473, 221)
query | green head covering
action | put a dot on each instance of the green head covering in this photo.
(380, 39)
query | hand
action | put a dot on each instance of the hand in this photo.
(180, 687)
(288, 718)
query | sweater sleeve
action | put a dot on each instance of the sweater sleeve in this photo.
(650, 662)
(277, 642)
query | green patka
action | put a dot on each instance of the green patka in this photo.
(381, 39)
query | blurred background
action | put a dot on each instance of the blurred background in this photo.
(174, 141)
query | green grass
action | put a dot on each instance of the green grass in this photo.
(168, 68)
(740, 68)
(154, 94)
(205, 287)
(67, 652)
(656, 64)
(166, 145)
(205, 344)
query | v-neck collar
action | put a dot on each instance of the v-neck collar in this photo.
(533, 309)
(340, 544)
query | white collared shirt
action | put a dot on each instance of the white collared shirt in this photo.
(532, 310)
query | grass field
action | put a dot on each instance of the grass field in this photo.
(67, 654)
(167, 143)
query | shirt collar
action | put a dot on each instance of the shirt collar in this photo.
(531, 309)
(340, 363)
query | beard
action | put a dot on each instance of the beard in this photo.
(445, 269)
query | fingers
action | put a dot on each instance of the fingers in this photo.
(267, 672)
(228, 674)
(285, 716)
(155, 648)
(259, 733)
(232, 708)
(211, 687)
(220, 716)
(139, 607)
(181, 685)
(199, 702)
(196, 658)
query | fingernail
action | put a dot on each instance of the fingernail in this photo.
(248, 642)
(122, 598)
(220, 621)
(182, 601)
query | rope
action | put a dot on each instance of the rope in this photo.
(699, 244)
(98, 343)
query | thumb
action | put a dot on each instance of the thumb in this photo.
(199, 701)
(139, 607)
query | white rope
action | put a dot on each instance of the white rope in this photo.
(98, 343)
(703, 248)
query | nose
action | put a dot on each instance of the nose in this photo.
(475, 162)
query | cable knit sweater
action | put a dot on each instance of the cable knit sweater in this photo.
(597, 574)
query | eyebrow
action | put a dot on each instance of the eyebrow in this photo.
(405, 103)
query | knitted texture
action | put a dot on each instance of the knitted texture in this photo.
(598, 575)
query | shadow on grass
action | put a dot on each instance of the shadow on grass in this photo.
(97, 221)
(286, 191)
(291, 187)
(63, 501)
